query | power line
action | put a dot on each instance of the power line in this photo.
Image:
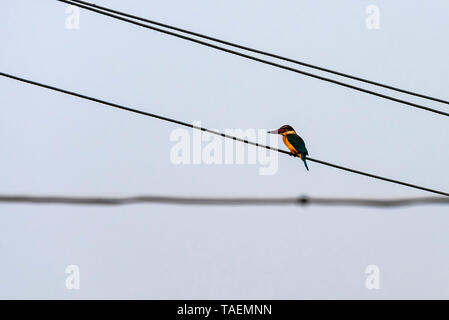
(216, 133)
(265, 53)
(223, 201)
(415, 105)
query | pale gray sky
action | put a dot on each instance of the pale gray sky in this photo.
(51, 143)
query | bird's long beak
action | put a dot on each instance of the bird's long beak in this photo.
(273, 131)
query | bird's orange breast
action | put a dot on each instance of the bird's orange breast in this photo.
(289, 145)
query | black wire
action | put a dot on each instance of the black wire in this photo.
(223, 201)
(268, 54)
(216, 133)
(415, 105)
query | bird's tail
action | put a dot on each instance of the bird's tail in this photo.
(303, 158)
(305, 163)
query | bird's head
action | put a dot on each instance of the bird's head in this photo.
(283, 130)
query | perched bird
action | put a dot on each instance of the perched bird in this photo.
(293, 142)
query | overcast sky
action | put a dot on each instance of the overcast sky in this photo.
(57, 144)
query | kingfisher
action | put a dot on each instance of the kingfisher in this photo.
(293, 142)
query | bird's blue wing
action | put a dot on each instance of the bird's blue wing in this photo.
(297, 142)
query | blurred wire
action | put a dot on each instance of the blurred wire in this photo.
(224, 201)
